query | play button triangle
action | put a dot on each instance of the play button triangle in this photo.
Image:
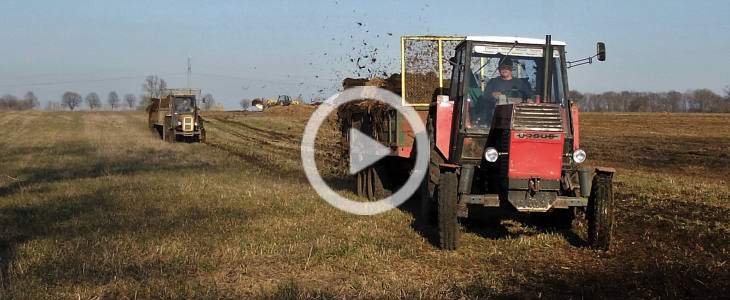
(364, 151)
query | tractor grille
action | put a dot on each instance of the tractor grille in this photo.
(537, 117)
(187, 123)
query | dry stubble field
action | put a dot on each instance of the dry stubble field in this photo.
(93, 205)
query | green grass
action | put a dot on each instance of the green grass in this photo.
(92, 204)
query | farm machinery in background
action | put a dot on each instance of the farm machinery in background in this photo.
(517, 149)
(282, 100)
(176, 115)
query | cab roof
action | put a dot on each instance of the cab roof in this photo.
(511, 39)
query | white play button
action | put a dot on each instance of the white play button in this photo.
(364, 151)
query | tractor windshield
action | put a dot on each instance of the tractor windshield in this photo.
(184, 104)
(505, 74)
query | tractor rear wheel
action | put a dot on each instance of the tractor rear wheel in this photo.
(370, 182)
(360, 177)
(600, 211)
(448, 225)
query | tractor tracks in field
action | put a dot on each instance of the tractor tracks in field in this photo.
(263, 148)
(274, 135)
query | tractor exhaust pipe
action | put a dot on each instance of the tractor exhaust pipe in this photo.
(547, 70)
(584, 177)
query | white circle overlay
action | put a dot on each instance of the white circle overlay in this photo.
(421, 142)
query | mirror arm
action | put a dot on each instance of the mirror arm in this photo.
(583, 61)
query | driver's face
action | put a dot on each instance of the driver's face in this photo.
(505, 72)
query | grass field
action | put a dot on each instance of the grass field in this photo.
(94, 205)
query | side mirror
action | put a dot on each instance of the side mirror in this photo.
(601, 51)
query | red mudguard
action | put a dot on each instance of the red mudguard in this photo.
(444, 113)
(574, 117)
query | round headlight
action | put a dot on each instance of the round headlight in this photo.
(491, 154)
(579, 156)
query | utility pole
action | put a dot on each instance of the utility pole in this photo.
(189, 71)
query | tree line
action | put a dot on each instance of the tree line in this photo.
(152, 88)
(702, 100)
(10, 102)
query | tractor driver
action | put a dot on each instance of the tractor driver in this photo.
(499, 90)
(185, 106)
(506, 85)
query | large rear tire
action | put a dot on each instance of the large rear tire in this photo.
(370, 182)
(448, 224)
(600, 211)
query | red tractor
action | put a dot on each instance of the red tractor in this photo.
(502, 128)
(507, 136)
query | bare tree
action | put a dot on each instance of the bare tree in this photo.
(31, 100)
(154, 85)
(8, 102)
(208, 101)
(130, 99)
(245, 104)
(71, 100)
(113, 99)
(93, 101)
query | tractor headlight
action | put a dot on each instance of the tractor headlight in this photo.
(579, 156)
(491, 154)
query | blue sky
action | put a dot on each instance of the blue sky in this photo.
(244, 49)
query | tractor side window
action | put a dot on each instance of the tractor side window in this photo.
(558, 96)
(460, 75)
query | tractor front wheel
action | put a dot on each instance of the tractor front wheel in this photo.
(201, 137)
(431, 180)
(600, 211)
(448, 225)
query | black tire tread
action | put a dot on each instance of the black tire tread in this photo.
(600, 212)
(447, 217)
(428, 193)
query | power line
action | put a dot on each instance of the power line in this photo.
(261, 80)
(80, 81)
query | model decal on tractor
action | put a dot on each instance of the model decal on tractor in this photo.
(524, 135)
